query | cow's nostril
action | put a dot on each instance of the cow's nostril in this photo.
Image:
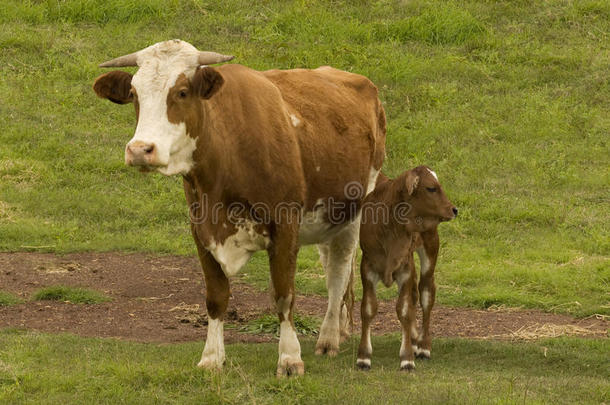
(455, 211)
(149, 148)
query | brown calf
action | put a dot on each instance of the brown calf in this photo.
(397, 217)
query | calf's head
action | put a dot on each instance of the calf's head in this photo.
(428, 202)
(167, 90)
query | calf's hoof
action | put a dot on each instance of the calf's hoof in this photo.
(290, 369)
(422, 354)
(407, 365)
(363, 364)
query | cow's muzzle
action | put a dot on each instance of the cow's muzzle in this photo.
(140, 153)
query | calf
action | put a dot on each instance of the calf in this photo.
(394, 216)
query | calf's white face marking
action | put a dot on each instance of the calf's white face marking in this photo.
(160, 66)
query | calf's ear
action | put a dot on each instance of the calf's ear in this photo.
(411, 182)
(115, 86)
(207, 81)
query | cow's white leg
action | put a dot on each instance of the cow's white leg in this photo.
(282, 259)
(289, 361)
(217, 300)
(214, 351)
(341, 250)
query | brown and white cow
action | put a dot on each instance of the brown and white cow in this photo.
(295, 151)
(393, 217)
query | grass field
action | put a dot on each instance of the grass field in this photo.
(509, 102)
(78, 370)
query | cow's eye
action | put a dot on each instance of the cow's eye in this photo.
(431, 189)
(182, 94)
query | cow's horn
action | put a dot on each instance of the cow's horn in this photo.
(210, 58)
(125, 60)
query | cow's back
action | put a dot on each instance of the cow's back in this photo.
(340, 126)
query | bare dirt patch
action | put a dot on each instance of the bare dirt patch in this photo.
(162, 299)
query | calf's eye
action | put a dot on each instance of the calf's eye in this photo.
(431, 189)
(182, 94)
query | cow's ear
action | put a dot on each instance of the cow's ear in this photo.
(207, 81)
(411, 182)
(115, 86)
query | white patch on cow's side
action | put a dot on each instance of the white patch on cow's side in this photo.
(295, 120)
(433, 174)
(317, 168)
(214, 351)
(424, 262)
(237, 249)
(160, 66)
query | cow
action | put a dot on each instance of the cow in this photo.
(270, 160)
(426, 244)
(414, 203)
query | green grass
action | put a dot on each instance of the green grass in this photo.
(70, 294)
(304, 325)
(7, 299)
(509, 102)
(84, 370)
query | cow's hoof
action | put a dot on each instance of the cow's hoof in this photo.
(326, 348)
(422, 354)
(210, 363)
(407, 365)
(290, 369)
(363, 364)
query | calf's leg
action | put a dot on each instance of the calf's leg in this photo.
(406, 314)
(368, 310)
(428, 254)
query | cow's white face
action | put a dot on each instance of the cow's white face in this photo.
(172, 147)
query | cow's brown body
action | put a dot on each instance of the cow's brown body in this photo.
(282, 146)
(387, 250)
